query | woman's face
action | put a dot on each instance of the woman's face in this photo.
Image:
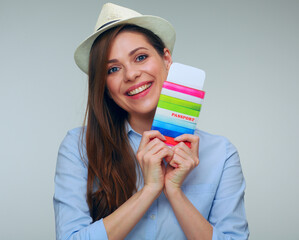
(136, 73)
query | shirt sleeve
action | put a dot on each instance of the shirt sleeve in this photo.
(72, 217)
(227, 215)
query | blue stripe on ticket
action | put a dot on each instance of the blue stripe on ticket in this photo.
(172, 127)
(166, 132)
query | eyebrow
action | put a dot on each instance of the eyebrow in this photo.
(130, 54)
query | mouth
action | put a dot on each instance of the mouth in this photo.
(139, 89)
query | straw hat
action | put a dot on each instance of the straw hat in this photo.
(113, 15)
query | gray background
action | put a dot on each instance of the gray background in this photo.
(249, 50)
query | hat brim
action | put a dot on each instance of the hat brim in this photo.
(157, 25)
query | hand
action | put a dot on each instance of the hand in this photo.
(150, 156)
(184, 160)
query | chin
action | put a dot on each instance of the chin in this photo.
(148, 112)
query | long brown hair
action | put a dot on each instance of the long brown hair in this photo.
(111, 162)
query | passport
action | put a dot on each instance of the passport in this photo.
(180, 102)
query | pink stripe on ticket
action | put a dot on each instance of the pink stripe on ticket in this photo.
(184, 89)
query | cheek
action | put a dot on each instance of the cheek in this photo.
(157, 69)
(152, 67)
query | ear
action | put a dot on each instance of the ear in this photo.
(167, 58)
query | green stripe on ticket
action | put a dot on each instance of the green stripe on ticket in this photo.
(180, 102)
(177, 108)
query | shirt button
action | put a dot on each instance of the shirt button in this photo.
(153, 216)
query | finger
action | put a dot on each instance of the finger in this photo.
(147, 144)
(166, 153)
(155, 146)
(176, 161)
(144, 153)
(185, 163)
(184, 152)
(193, 139)
(169, 157)
(184, 147)
(155, 154)
(147, 136)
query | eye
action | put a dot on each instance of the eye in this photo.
(113, 69)
(141, 58)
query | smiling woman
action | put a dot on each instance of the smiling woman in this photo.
(115, 178)
(118, 107)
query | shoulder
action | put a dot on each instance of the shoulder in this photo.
(73, 137)
(74, 134)
(215, 146)
(213, 140)
(72, 146)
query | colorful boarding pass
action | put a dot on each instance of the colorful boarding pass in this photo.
(179, 103)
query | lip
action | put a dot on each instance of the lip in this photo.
(142, 94)
(137, 86)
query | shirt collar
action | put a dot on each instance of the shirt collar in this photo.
(130, 129)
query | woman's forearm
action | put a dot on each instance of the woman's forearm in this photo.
(122, 221)
(194, 225)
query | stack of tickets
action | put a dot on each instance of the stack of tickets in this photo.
(179, 103)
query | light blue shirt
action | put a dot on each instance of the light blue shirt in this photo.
(215, 187)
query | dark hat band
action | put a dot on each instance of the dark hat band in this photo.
(104, 25)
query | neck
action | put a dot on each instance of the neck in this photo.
(142, 123)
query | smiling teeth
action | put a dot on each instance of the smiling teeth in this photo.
(139, 90)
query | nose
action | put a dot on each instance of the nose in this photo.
(132, 73)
